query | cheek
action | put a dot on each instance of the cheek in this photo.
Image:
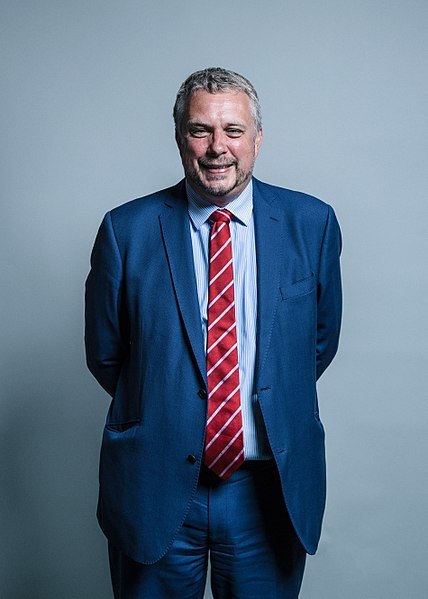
(243, 148)
(188, 158)
(195, 149)
(245, 154)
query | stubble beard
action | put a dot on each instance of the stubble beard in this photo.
(217, 188)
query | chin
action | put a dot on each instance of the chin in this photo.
(218, 192)
(214, 188)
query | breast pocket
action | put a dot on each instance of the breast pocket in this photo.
(302, 286)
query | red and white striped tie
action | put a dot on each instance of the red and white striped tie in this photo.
(224, 442)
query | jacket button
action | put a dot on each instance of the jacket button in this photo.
(202, 393)
(191, 458)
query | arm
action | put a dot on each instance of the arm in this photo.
(329, 294)
(106, 337)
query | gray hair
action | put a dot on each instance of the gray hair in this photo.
(215, 80)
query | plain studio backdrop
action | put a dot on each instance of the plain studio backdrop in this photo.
(88, 89)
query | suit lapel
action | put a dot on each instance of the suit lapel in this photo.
(178, 244)
(269, 244)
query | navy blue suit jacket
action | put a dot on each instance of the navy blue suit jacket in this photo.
(144, 345)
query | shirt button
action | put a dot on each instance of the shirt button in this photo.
(202, 393)
(191, 458)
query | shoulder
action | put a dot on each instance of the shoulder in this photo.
(141, 212)
(152, 202)
(291, 201)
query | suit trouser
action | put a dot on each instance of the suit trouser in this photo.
(243, 526)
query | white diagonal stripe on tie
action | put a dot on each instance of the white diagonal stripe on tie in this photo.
(226, 424)
(231, 442)
(220, 272)
(221, 249)
(224, 356)
(223, 403)
(220, 294)
(218, 230)
(223, 472)
(212, 346)
(223, 381)
(221, 315)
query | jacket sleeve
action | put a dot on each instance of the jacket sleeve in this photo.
(329, 310)
(106, 338)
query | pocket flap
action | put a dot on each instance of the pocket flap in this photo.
(121, 427)
(302, 286)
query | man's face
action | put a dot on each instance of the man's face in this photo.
(218, 144)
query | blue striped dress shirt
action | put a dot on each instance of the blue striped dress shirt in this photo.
(256, 446)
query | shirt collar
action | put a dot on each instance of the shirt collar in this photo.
(241, 207)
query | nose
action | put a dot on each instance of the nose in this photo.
(217, 145)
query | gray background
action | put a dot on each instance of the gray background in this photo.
(88, 89)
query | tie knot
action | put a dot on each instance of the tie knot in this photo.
(221, 216)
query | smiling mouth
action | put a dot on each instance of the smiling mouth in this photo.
(216, 169)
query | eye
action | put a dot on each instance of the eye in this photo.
(234, 132)
(198, 132)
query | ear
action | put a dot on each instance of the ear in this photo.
(258, 142)
(178, 140)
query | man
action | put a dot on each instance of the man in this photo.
(212, 308)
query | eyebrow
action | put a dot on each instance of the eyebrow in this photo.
(196, 124)
(206, 126)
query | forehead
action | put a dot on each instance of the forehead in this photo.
(231, 106)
